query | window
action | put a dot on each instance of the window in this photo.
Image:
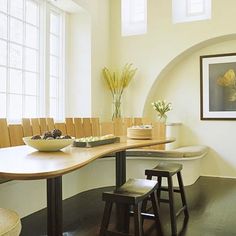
(195, 7)
(55, 72)
(191, 10)
(19, 58)
(134, 17)
(23, 42)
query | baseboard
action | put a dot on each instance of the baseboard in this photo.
(220, 176)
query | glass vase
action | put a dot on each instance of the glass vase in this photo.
(162, 118)
(116, 106)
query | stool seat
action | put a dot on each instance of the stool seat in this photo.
(164, 169)
(132, 193)
(10, 224)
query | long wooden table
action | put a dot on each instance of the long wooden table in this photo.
(25, 163)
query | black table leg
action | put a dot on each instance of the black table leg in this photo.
(120, 179)
(120, 168)
(54, 206)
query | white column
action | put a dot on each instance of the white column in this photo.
(173, 130)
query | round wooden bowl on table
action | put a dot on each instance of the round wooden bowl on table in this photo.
(139, 132)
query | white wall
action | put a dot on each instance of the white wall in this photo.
(88, 44)
(168, 61)
(164, 41)
(78, 77)
(89, 51)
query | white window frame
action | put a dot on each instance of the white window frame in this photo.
(61, 56)
(130, 25)
(181, 11)
(192, 2)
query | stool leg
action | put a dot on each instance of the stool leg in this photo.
(126, 218)
(138, 229)
(156, 212)
(172, 208)
(182, 192)
(144, 205)
(159, 179)
(149, 177)
(106, 218)
(121, 219)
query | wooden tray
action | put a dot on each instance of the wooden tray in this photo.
(96, 143)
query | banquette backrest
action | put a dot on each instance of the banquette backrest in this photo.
(12, 134)
(4, 134)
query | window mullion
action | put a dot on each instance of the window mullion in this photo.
(43, 93)
(8, 61)
(56, 32)
(23, 59)
(62, 69)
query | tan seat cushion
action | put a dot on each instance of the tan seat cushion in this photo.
(10, 224)
(192, 151)
(154, 153)
(181, 152)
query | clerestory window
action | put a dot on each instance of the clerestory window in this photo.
(134, 17)
(190, 10)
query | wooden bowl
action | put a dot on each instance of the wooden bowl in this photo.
(139, 133)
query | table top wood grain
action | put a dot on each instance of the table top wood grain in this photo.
(24, 162)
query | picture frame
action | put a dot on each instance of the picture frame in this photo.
(218, 87)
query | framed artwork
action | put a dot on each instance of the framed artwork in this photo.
(218, 86)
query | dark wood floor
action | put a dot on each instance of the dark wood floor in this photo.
(212, 206)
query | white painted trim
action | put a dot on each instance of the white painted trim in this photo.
(219, 176)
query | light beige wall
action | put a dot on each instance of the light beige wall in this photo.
(164, 41)
(88, 42)
(168, 61)
(78, 77)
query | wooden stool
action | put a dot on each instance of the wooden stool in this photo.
(168, 170)
(132, 193)
(10, 224)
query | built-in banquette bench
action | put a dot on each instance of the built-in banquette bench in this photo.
(12, 134)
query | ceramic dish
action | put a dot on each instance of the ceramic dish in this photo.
(95, 143)
(50, 145)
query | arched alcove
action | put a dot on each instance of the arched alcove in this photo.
(179, 83)
(165, 81)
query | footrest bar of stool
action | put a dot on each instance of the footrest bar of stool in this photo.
(165, 189)
(112, 233)
(180, 210)
(145, 214)
(164, 200)
(177, 191)
(148, 215)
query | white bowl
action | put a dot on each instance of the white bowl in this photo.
(50, 145)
